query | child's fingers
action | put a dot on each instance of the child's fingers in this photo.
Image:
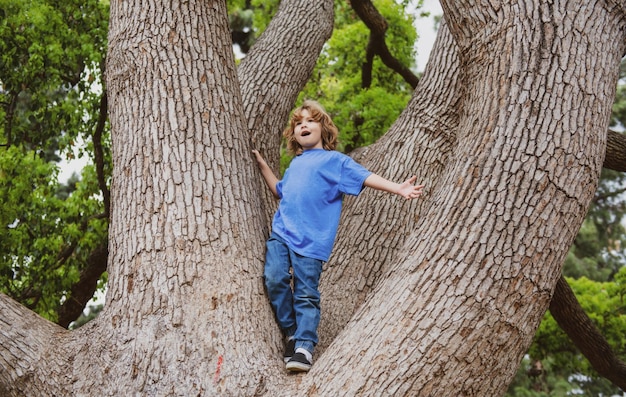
(417, 192)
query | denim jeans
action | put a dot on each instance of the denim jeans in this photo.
(299, 308)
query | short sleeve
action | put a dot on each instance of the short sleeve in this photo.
(353, 176)
(279, 188)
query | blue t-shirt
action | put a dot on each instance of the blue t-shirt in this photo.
(311, 194)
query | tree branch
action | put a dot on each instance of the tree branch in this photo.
(614, 193)
(83, 290)
(567, 311)
(99, 153)
(377, 45)
(27, 341)
(564, 306)
(67, 252)
(615, 158)
(271, 76)
(570, 316)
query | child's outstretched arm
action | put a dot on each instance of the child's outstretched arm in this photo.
(266, 171)
(406, 189)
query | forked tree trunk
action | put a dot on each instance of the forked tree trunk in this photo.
(449, 290)
(272, 76)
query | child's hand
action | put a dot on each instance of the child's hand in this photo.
(410, 191)
(266, 171)
(259, 158)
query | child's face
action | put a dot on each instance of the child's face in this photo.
(308, 132)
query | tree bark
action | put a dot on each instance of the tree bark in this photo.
(615, 158)
(33, 358)
(186, 256)
(355, 272)
(421, 140)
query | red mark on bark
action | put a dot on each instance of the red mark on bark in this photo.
(216, 377)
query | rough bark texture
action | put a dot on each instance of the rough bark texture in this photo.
(185, 259)
(447, 292)
(615, 158)
(33, 357)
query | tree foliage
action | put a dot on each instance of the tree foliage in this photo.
(50, 96)
(47, 237)
(362, 113)
(554, 365)
(52, 52)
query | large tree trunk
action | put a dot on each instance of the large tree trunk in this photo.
(479, 273)
(185, 253)
(448, 291)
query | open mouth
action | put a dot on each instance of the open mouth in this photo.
(305, 133)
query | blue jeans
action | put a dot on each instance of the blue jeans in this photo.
(298, 309)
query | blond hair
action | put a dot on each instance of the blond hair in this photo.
(317, 112)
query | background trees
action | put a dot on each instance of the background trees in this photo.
(77, 222)
(54, 238)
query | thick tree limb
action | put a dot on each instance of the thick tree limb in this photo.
(271, 76)
(86, 286)
(615, 158)
(99, 153)
(570, 316)
(377, 45)
(29, 346)
(567, 311)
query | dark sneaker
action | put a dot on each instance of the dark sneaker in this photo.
(299, 363)
(290, 349)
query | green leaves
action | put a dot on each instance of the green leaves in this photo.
(362, 115)
(47, 47)
(51, 57)
(604, 303)
(44, 239)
